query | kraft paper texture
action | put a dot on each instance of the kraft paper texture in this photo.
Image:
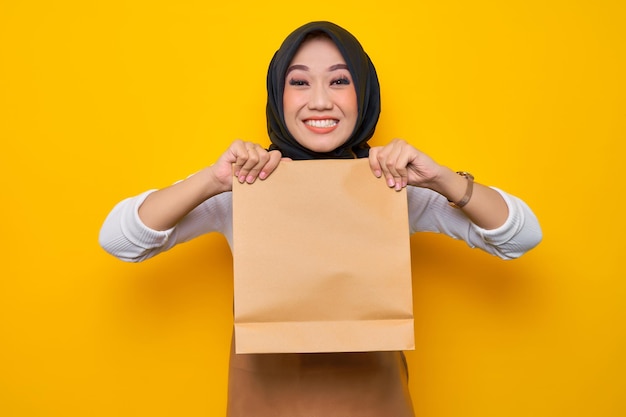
(321, 261)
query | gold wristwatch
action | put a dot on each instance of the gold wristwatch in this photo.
(468, 190)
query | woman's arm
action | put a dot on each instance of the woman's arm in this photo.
(486, 208)
(140, 227)
(164, 208)
(431, 212)
(401, 164)
(492, 220)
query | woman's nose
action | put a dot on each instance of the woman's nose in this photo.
(320, 99)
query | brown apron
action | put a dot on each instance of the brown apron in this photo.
(364, 384)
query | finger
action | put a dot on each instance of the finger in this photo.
(239, 155)
(387, 159)
(246, 158)
(257, 158)
(373, 161)
(395, 165)
(274, 159)
(402, 176)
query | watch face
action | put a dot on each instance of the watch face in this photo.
(466, 174)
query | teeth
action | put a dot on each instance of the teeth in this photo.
(321, 123)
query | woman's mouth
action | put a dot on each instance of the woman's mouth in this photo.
(321, 125)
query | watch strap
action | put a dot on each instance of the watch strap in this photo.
(468, 190)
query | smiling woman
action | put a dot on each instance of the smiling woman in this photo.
(323, 103)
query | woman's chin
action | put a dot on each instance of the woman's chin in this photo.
(321, 146)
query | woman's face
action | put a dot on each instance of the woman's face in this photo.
(319, 101)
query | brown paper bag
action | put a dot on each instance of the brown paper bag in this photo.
(321, 261)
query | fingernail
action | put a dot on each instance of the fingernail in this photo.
(250, 179)
(377, 173)
(262, 175)
(391, 182)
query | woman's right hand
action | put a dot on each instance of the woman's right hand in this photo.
(245, 161)
(164, 208)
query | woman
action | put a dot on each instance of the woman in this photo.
(323, 102)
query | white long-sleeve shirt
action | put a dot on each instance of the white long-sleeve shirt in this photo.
(126, 237)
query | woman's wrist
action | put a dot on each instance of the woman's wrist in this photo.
(212, 184)
(451, 185)
(468, 191)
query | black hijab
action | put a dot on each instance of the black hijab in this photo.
(365, 83)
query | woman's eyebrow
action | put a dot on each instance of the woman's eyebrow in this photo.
(305, 68)
(296, 67)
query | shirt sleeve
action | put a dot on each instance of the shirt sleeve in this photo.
(126, 237)
(430, 212)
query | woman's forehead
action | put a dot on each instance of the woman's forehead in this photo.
(318, 52)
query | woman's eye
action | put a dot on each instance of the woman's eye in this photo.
(341, 81)
(297, 83)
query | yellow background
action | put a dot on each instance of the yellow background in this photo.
(102, 100)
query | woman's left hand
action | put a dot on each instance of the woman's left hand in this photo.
(402, 164)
